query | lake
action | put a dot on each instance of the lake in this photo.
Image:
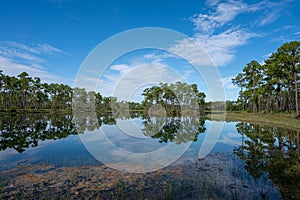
(59, 156)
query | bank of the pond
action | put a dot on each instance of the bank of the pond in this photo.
(283, 120)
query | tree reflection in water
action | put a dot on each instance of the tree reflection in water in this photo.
(268, 153)
(22, 131)
(179, 129)
(272, 152)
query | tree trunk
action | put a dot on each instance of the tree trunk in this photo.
(254, 98)
(258, 104)
(296, 94)
(289, 97)
(270, 101)
(279, 96)
(298, 143)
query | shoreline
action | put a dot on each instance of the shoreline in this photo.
(283, 120)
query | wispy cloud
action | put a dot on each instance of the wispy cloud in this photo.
(121, 68)
(12, 68)
(286, 33)
(227, 82)
(221, 13)
(216, 37)
(48, 49)
(17, 57)
(38, 49)
(210, 50)
(271, 11)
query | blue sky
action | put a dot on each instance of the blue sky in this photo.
(51, 38)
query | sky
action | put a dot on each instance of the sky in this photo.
(52, 38)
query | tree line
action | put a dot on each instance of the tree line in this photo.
(272, 86)
(25, 92)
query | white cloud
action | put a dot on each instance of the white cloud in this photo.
(210, 50)
(122, 68)
(33, 49)
(209, 47)
(193, 51)
(151, 56)
(212, 2)
(286, 33)
(48, 49)
(227, 82)
(211, 44)
(222, 14)
(13, 68)
(271, 11)
(17, 57)
(158, 57)
(188, 73)
(221, 47)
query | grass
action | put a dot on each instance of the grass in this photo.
(283, 120)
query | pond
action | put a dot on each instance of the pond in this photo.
(57, 156)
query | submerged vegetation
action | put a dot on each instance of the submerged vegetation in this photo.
(265, 165)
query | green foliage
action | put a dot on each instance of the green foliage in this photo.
(174, 97)
(24, 92)
(232, 106)
(274, 85)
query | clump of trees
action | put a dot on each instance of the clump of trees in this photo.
(174, 97)
(272, 86)
(25, 92)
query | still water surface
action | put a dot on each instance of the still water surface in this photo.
(248, 161)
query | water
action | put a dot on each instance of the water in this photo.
(42, 156)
